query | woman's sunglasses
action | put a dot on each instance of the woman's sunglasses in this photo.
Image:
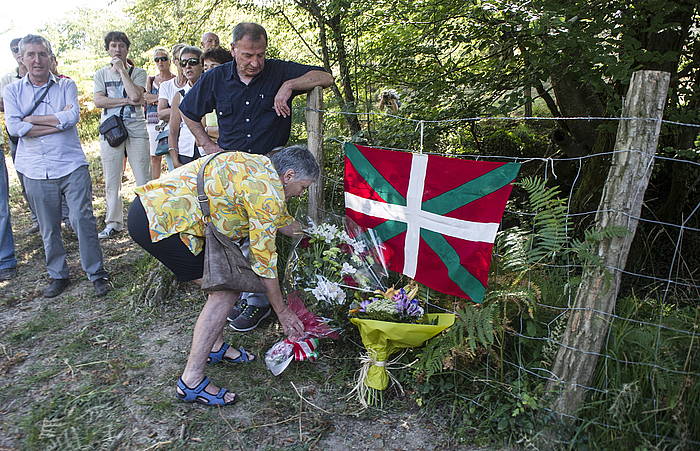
(190, 62)
(159, 59)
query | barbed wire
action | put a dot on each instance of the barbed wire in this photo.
(493, 118)
(605, 356)
(549, 169)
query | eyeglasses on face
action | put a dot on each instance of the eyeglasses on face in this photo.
(190, 62)
(159, 59)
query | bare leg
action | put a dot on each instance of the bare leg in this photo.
(155, 166)
(208, 331)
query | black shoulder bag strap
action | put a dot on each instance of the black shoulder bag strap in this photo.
(15, 139)
(121, 111)
(41, 99)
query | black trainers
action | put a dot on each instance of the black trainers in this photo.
(56, 287)
(8, 273)
(101, 286)
(237, 309)
(250, 318)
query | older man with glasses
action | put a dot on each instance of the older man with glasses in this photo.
(43, 111)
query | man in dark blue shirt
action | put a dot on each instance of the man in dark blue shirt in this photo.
(251, 95)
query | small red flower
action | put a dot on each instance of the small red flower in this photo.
(345, 248)
(305, 242)
(349, 281)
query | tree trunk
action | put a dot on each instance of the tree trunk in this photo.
(622, 198)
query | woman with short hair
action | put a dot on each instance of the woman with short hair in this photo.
(247, 197)
(182, 144)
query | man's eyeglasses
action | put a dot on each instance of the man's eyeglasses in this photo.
(159, 59)
(190, 62)
(15, 49)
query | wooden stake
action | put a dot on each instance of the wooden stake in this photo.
(314, 131)
(621, 201)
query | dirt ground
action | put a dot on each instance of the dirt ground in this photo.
(80, 372)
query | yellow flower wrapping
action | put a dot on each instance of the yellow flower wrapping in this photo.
(382, 339)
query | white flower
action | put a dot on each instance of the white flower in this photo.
(347, 269)
(327, 232)
(328, 291)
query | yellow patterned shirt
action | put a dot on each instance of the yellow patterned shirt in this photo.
(246, 199)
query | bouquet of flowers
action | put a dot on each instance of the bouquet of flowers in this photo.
(332, 266)
(392, 321)
(281, 354)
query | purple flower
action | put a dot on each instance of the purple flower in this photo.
(414, 309)
(364, 304)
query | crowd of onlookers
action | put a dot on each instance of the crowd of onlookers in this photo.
(234, 106)
(214, 99)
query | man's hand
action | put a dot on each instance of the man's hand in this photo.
(117, 65)
(280, 103)
(211, 147)
(291, 324)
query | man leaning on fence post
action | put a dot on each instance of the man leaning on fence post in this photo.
(252, 96)
(119, 89)
(43, 111)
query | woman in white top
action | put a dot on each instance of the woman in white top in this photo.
(181, 142)
(162, 60)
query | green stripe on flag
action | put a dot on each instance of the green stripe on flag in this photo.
(375, 179)
(458, 273)
(472, 190)
(387, 230)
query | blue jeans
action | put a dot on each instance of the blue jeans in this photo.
(7, 242)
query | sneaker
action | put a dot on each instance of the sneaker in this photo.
(250, 318)
(108, 232)
(56, 287)
(101, 286)
(237, 309)
(8, 273)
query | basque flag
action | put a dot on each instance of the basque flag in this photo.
(436, 216)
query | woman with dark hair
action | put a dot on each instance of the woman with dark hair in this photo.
(247, 197)
(211, 58)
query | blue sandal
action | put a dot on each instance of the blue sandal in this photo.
(200, 396)
(220, 356)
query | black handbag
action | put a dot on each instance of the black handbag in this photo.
(113, 128)
(225, 266)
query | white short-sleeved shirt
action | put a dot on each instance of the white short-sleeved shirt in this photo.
(110, 83)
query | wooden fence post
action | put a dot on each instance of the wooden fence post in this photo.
(620, 204)
(314, 131)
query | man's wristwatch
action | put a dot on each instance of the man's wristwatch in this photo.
(172, 148)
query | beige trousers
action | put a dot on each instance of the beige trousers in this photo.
(137, 151)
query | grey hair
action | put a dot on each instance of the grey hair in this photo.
(34, 39)
(176, 50)
(254, 30)
(190, 49)
(297, 158)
